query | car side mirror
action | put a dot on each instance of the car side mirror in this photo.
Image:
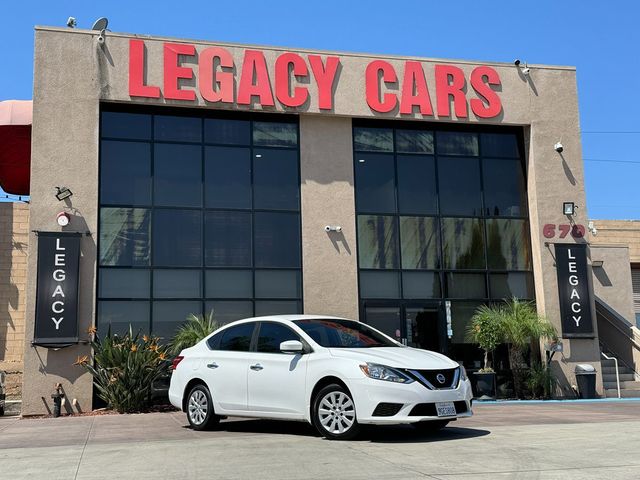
(291, 346)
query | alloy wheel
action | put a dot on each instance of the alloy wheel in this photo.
(336, 412)
(198, 407)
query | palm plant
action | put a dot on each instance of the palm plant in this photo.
(192, 331)
(518, 325)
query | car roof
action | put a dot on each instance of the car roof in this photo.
(289, 318)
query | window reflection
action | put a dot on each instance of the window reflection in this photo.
(377, 241)
(124, 236)
(373, 139)
(419, 242)
(508, 244)
(463, 243)
(505, 189)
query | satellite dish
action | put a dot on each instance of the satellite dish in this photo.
(100, 24)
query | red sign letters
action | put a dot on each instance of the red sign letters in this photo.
(302, 78)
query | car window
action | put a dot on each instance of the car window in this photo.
(214, 341)
(335, 333)
(272, 335)
(237, 338)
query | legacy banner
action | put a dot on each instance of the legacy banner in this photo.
(57, 288)
(573, 289)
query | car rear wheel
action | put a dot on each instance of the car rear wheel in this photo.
(431, 426)
(334, 413)
(200, 411)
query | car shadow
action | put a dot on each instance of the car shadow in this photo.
(369, 433)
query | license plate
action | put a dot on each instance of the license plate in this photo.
(445, 409)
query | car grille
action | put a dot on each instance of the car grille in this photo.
(387, 409)
(429, 409)
(437, 379)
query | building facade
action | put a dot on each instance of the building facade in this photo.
(250, 180)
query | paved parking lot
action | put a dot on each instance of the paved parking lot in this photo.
(524, 441)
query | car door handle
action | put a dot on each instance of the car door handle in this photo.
(212, 365)
(257, 366)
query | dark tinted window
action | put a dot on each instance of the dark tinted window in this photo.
(378, 241)
(417, 184)
(466, 285)
(214, 341)
(457, 143)
(275, 179)
(227, 177)
(124, 236)
(272, 335)
(277, 239)
(228, 239)
(125, 173)
(273, 134)
(499, 145)
(459, 183)
(237, 338)
(414, 141)
(373, 139)
(332, 333)
(375, 178)
(168, 316)
(126, 125)
(124, 283)
(227, 132)
(508, 244)
(177, 129)
(505, 189)
(177, 175)
(463, 243)
(177, 238)
(420, 245)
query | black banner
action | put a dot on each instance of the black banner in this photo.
(57, 289)
(573, 289)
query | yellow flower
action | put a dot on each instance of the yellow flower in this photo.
(145, 338)
(134, 348)
(81, 360)
(162, 356)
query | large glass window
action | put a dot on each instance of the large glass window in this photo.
(198, 212)
(441, 216)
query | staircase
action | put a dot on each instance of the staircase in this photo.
(629, 384)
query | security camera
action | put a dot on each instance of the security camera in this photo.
(101, 39)
(71, 22)
(559, 148)
(338, 228)
(526, 71)
(517, 62)
(327, 228)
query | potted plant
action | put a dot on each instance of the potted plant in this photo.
(486, 332)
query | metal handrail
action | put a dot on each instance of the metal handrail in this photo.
(615, 361)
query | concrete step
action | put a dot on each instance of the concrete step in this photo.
(12, 408)
(612, 370)
(613, 393)
(623, 385)
(624, 377)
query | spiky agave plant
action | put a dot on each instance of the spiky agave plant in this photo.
(192, 331)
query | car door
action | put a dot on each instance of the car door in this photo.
(276, 380)
(226, 366)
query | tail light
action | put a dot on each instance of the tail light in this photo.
(176, 361)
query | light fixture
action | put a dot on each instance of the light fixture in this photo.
(569, 208)
(63, 193)
(101, 26)
(71, 22)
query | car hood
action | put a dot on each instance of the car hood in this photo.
(399, 357)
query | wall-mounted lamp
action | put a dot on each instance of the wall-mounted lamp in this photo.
(71, 22)
(597, 263)
(63, 193)
(569, 208)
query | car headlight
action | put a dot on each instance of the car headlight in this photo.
(382, 372)
(463, 373)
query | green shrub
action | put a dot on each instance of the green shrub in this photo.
(486, 332)
(192, 331)
(124, 368)
(540, 381)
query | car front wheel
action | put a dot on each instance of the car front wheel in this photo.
(200, 411)
(334, 413)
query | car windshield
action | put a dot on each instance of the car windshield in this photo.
(332, 333)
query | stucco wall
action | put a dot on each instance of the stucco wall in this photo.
(619, 232)
(73, 74)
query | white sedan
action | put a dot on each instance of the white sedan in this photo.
(331, 372)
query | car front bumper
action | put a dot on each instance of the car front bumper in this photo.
(418, 401)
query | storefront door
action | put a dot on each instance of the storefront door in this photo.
(417, 324)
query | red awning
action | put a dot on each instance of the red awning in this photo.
(16, 117)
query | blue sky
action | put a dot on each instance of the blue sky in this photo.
(600, 39)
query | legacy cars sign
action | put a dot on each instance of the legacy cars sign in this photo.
(57, 288)
(295, 79)
(573, 287)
